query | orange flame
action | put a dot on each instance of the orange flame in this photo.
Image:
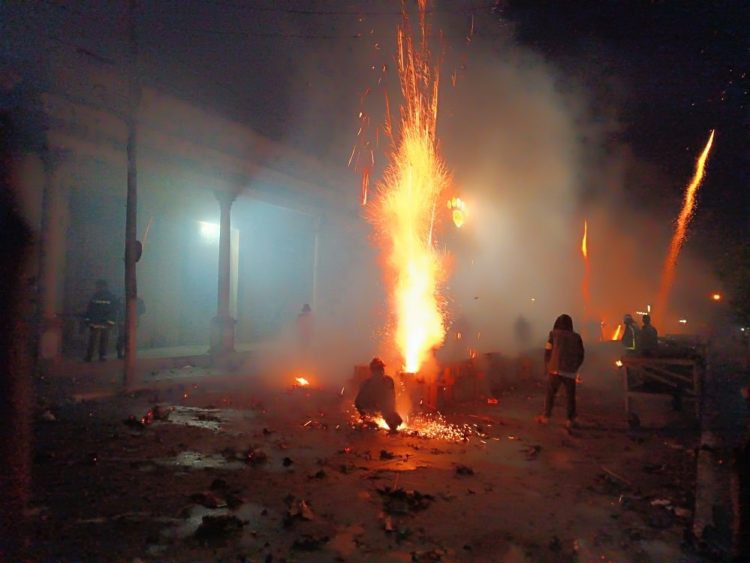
(585, 289)
(301, 381)
(688, 208)
(617, 333)
(404, 212)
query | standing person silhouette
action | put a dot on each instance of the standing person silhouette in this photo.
(563, 356)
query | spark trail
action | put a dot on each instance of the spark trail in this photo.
(586, 285)
(678, 239)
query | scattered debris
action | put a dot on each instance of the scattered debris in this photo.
(682, 512)
(298, 510)
(401, 501)
(161, 413)
(464, 470)
(256, 456)
(218, 484)
(287, 461)
(133, 422)
(320, 474)
(208, 499)
(48, 416)
(218, 528)
(309, 542)
(427, 556)
(617, 478)
(532, 452)
(233, 501)
(385, 454)
(387, 522)
(654, 468)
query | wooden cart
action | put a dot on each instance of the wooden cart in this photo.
(682, 378)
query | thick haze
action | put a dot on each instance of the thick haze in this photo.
(532, 151)
(533, 154)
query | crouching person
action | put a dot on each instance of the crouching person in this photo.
(377, 395)
(563, 356)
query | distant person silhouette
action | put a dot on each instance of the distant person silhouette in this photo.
(648, 341)
(101, 315)
(305, 328)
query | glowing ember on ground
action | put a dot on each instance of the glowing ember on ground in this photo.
(688, 208)
(716, 297)
(618, 363)
(301, 381)
(404, 212)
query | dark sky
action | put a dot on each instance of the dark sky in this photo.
(670, 70)
(674, 70)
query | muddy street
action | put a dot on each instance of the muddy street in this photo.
(291, 475)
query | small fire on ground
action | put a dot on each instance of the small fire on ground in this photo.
(301, 381)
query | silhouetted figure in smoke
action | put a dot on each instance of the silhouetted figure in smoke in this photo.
(122, 329)
(377, 395)
(522, 330)
(305, 328)
(101, 314)
(648, 338)
(563, 356)
(630, 332)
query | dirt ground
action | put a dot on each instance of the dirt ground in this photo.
(246, 474)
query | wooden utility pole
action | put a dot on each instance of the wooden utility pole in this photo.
(132, 250)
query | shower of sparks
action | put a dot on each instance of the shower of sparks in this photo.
(404, 212)
(430, 426)
(678, 239)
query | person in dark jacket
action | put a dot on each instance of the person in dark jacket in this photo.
(648, 340)
(101, 315)
(630, 332)
(377, 395)
(563, 356)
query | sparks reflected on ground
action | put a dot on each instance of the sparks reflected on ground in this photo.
(425, 425)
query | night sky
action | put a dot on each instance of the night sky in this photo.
(674, 70)
(669, 71)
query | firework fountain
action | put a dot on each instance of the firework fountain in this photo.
(683, 220)
(404, 210)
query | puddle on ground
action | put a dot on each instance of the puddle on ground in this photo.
(250, 513)
(208, 419)
(198, 460)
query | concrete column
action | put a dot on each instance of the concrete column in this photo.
(55, 216)
(222, 339)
